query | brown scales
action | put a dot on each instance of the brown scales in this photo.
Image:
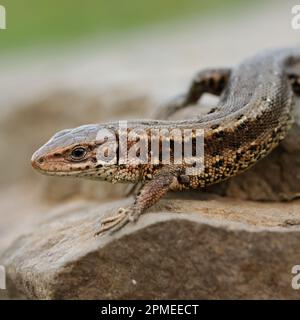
(253, 115)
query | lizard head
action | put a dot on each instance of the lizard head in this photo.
(79, 152)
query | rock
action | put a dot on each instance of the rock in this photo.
(214, 248)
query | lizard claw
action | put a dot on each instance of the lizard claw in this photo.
(118, 221)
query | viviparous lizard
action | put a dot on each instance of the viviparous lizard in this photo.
(254, 113)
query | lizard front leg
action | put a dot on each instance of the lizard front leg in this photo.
(211, 81)
(150, 193)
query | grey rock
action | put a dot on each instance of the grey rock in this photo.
(214, 249)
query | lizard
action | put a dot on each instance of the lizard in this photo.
(254, 113)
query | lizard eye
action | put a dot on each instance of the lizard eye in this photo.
(78, 153)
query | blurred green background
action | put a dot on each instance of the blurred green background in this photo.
(33, 23)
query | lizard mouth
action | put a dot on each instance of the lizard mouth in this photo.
(62, 169)
(39, 163)
(62, 173)
(57, 172)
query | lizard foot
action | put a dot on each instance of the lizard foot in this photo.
(118, 221)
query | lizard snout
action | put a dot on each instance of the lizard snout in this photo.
(37, 160)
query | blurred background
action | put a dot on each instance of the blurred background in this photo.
(46, 23)
(69, 62)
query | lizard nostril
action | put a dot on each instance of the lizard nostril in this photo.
(36, 162)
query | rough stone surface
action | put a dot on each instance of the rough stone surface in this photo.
(216, 249)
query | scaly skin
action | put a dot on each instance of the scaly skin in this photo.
(253, 115)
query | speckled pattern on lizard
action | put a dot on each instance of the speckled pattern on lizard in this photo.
(254, 113)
